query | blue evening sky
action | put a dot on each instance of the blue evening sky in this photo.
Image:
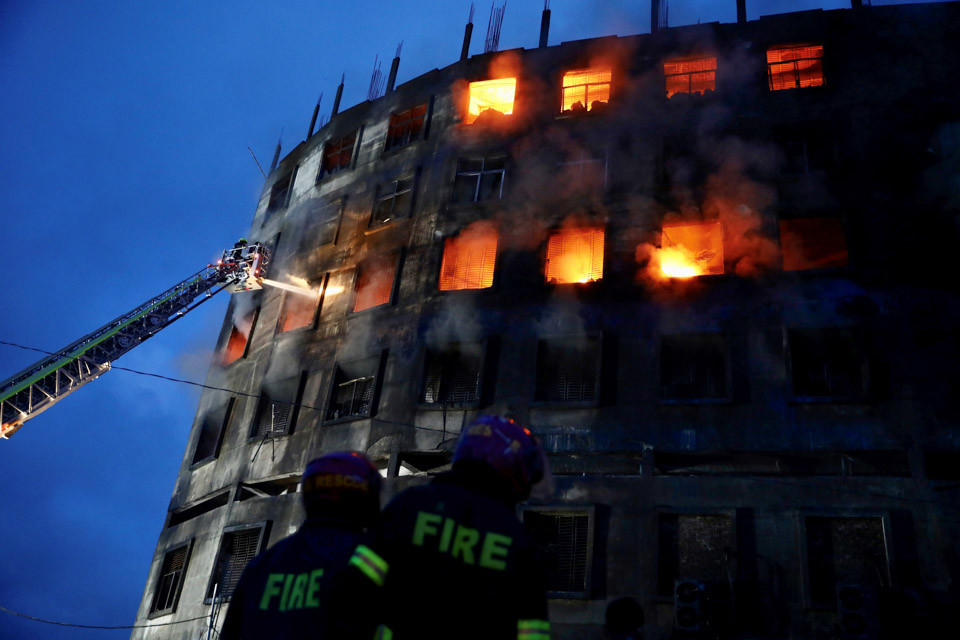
(124, 129)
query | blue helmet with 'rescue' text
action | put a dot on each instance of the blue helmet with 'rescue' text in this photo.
(510, 449)
(342, 485)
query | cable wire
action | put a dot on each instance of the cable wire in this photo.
(96, 626)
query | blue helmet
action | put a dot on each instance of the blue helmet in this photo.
(344, 485)
(508, 448)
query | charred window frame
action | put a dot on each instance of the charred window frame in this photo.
(376, 282)
(568, 370)
(213, 428)
(297, 312)
(479, 179)
(580, 170)
(566, 535)
(453, 375)
(695, 368)
(238, 545)
(851, 549)
(829, 365)
(406, 127)
(166, 592)
(281, 192)
(355, 391)
(394, 200)
(325, 225)
(278, 407)
(237, 343)
(339, 154)
(695, 546)
(469, 259)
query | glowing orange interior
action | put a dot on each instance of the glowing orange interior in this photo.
(575, 255)
(690, 75)
(689, 250)
(468, 261)
(375, 284)
(497, 95)
(795, 66)
(298, 311)
(812, 243)
(237, 342)
(585, 86)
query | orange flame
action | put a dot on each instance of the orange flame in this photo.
(486, 95)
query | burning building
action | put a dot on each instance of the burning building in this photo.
(712, 267)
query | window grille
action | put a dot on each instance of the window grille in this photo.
(375, 283)
(694, 547)
(491, 95)
(170, 581)
(393, 201)
(844, 550)
(795, 66)
(277, 408)
(452, 375)
(352, 398)
(406, 127)
(828, 363)
(585, 89)
(237, 548)
(693, 367)
(469, 260)
(212, 431)
(812, 243)
(298, 311)
(338, 155)
(568, 370)
(565, 538)
(690, 75)
(575, 255)
(479, 179)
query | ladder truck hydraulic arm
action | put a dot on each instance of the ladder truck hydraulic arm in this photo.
(44, 383)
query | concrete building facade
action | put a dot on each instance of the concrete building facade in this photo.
(712, 267)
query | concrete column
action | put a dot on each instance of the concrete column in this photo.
(544, 28)
(392, 78)
(741, 11)
(467, 32)
(336, 100)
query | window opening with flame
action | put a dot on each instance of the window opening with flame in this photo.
(337, 155)
(575, 255)
(795, 66)
(689, 250)
(298, 311)
(406, 127)
(491, 95)
(812, 243)
(690, 75)
(585, 90)
(375, 283)
(236, 345)
(469, 260)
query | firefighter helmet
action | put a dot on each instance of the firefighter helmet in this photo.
(242, 241)
(510, 449)
(342, 484)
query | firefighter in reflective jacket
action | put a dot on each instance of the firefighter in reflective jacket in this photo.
(285, 591)
(450, 559)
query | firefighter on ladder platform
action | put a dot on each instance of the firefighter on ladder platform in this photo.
(450, 559)
(285, 591)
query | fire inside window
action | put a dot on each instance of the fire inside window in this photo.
(585, 90)
(795, 66)
(575, 255)
(236, 345)
(812, 243)
(690, 75)
(468, 260)
(479, 179)
(406, 127)
(298, 311)
(491, 95)
(337, 155)
(375, 283)
(689, 250)
(393, 201)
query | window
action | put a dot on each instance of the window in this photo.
(212, 430)
(812, 243)
(298, 310)
(406, 127)
(584, 170)
(278, 407)
(489, 98)
(375, 282)
(566, 536)
(568, 370)
(844, 550)
(393, 201)
(585, 90)
(795, 66)
(280, 192)
(695, 547)
(807, 147)
(239, 338)
(479, 179)
(828, 364)
(690, 75)
(693, 367)
(237, 547)
(170, 581)
(452, 375)
(325, 223)
(574, 255)
(469, 259)
(336, 299)
(337, 155)
(689, 250)
(354, 393)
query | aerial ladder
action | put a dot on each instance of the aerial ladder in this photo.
(46, 382)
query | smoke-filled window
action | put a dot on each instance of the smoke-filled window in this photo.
(812, 243)
(239, 338)
(354, 392)
(575, 255)
(237, 548)
(298, 311)
(406, 127)
(690, 75)
(452, 375)
(585, 90)
(337, 155)
(566, 538)
(829, 364)
(277, 408)
(280, 192)
(325, 223)
(375, 282)
(688, 250)
(568, 369)
(584, 170)
(167, 592)
(393, 201)
(693, 367)
(469, 259)
(795, 66)
(488, 96)
(212, 430)
(479, 179)
(844, 550)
